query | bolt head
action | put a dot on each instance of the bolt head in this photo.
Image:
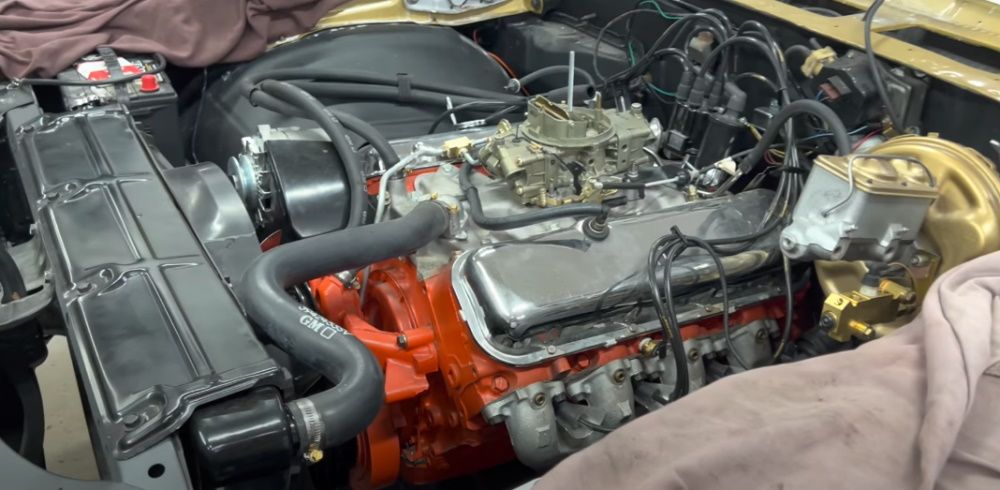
(131, 420)
(827, 321)
(538, 399)
(919, 260)
(314, 456)
(648, 346)
(500, 384)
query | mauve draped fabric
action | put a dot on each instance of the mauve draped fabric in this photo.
(43, 37)
(918, 409)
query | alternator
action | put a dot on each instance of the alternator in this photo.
(291, 180)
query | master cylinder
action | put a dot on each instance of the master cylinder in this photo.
(860, 207)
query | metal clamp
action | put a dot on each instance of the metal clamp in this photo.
(313, 427)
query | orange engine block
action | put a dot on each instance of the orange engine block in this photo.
(437, 379)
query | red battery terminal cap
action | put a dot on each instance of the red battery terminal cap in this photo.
(148, 83)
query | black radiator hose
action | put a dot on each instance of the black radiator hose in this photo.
(340, 413)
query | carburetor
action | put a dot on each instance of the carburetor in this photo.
(559, 153)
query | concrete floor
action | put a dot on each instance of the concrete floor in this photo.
(67, 442)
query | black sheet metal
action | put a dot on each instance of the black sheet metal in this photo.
(154, 330)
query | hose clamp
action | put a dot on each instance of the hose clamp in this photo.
(313, 426)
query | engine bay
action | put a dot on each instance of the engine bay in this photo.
(454, 250)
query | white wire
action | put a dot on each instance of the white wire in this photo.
(383, 183)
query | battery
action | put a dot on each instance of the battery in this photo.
(151, 98)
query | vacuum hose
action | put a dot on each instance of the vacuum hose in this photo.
(338, 414)
(516, 220)
(799, 107)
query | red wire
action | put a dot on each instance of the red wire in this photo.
(510, 71)
(769, 158)
(503, 64)
(865, 138)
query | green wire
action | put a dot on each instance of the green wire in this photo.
(631, 54)
(661, 91)
(659, 9)
(654, 88)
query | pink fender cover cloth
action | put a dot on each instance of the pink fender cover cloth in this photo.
(919, 409)
(43, 37)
